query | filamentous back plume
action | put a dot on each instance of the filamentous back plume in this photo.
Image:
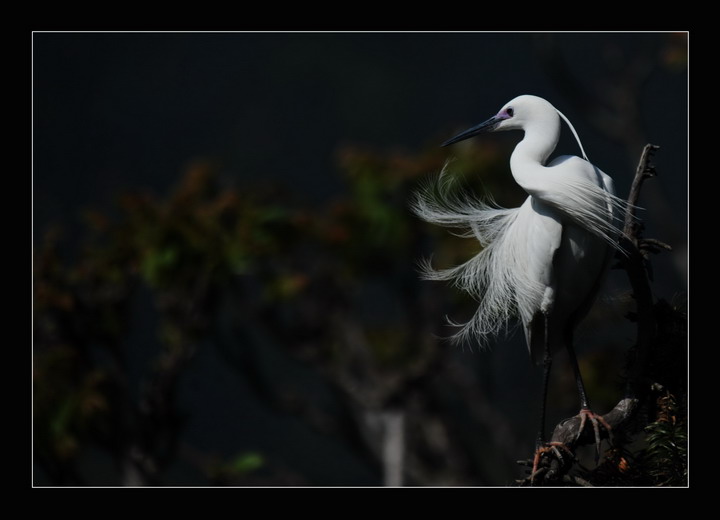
(490, 276)
(499, 277)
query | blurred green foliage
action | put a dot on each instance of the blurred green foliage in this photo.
(237, 468)
(298, 273)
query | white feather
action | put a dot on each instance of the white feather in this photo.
(500, 275)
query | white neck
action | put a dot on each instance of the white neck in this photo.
(528, 158)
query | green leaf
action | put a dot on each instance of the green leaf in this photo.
(156, 262)
(246, 463)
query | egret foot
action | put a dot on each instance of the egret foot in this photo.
(595, 420)
(548, 448)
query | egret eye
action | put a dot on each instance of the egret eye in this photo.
(510, 111)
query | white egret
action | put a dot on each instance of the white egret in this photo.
(543, 261)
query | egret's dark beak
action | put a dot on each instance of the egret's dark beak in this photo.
(487, 126)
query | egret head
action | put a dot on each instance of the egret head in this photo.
(517, 114)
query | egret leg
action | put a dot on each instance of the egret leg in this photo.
(585, 411)
(540, 446)
(547, 365)
(584, 404)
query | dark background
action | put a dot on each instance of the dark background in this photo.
(114, 112)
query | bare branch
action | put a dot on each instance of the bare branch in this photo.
(634, 264)
(644, 170)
